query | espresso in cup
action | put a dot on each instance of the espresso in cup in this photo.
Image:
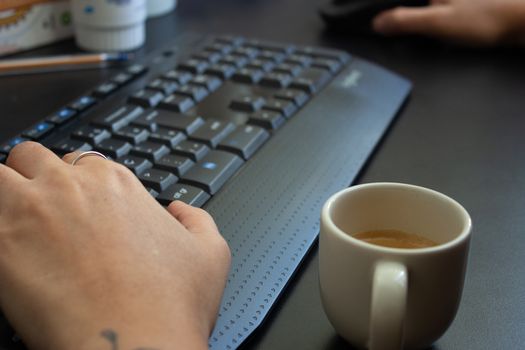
(395, 239)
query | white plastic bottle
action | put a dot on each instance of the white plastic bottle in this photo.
(109, 25)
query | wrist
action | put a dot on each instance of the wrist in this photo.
(141, 338)
(146, 319)
(127, 331)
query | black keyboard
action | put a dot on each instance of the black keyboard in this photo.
(258, 133)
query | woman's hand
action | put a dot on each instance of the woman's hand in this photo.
(89, 260)
(474, 22)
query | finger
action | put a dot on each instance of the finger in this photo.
(10, 181)
(30, 159)
(436, 20)
(194, 219)
(71, 157)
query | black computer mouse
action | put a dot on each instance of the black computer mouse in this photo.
(357, 15)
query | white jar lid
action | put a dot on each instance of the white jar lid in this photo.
(110, 40)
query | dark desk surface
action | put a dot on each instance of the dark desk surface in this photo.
(462, 133)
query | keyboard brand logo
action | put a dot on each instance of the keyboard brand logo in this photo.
(352, 79)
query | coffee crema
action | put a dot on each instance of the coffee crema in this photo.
(395, 239)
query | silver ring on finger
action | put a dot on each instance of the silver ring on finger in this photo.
(88, 154)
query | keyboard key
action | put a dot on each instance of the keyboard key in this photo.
(234, 41)
(113, 148)
(122, 78)
(276, 80)
(285, 107)
(168, 137)
(118, 118)
(219, 47)
(213, 170)
(270, 46)
(247, 103)
(305, 84)
(146, 98)
(152, 192)
(136, 69)
(264, 65)
(311, 80)
(324, 63)
(178, 76)
(248, 52)
(177, 121)
(3, 158)
(275, 57)
(91, 134)
(194, 66)
(248, 76)
(340, 56)
(62, 116)
(301, 60)
(83, 103)
(236, 61)
(188, 194)
(196, 92)
(212, 132)
(296, 96)
(157, 179)
(68, 146)
(146, 120)
(209, 56)
(150, 150)
(288, 68)
(194, 150)
(132, 134)
(267, 119)
(166, 87)
(136, 164)
(105, 89)
(245, 140)
(223, 71)
(210, 83)
(175, 164)
(36, 132)
(8, 146)
(177, 103)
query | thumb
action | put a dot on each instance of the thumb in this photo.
(429, 20)
(195, 220)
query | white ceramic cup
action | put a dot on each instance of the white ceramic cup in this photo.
(391, 298)
(160, 7)
(104, 25)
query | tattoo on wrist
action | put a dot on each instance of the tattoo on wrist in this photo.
(112, 337)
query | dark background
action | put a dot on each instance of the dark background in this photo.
(462, 133)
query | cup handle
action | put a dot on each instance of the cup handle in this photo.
(388, 307)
